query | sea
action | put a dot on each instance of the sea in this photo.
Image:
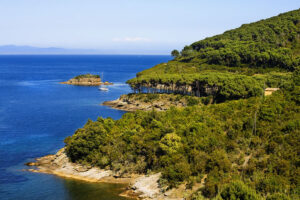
(37, 113)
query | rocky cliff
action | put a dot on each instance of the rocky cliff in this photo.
(146, 102)
(139, 186)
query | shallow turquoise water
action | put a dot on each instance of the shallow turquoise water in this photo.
(37, 113)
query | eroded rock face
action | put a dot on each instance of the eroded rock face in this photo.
(129, 103)
(59, 164)
(147, 186)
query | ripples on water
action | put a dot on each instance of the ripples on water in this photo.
(37, 113)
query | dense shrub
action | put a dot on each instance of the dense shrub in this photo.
(237, 190)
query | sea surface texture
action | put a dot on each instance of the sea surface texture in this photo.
(37, 113)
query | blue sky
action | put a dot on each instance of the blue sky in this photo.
(155, 26)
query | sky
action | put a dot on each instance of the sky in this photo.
(128, 26)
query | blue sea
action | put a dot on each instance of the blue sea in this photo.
(37, 113)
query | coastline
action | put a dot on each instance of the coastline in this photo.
(134, 102)
(118, 104)
(137, 186)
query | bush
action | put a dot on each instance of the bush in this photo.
(237, 190)
(278, 196)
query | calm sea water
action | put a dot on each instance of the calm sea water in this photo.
(37, 113)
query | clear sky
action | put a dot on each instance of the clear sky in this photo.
(156, 26)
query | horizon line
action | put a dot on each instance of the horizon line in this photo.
(82, 54)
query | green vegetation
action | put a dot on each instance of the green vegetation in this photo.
(216, 140)
(242, 57)
(86, 76)
(246, 145)
(268, 43)
(238, 190)
(221, 85)
(175, 53)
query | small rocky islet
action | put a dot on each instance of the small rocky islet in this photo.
(86, 80)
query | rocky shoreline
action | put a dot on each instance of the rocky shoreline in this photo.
(137, 186)
(134, 102)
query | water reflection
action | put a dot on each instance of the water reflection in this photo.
(80, 190)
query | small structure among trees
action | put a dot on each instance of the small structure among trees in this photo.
(269, 91)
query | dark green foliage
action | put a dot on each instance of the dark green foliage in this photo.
(151, 97)
(86, 76)
(268, 43)
(278, 196)
(237, 190)
(175, 53)
(188, 51)
(221, 86)
(236, 64)
(192, 101)
(198, 140)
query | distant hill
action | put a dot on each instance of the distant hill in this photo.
(28, 50)
(13, 49)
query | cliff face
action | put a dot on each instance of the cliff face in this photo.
(146, 102)
(186, 89)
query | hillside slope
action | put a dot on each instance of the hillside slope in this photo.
(244, 145)
(248, 58)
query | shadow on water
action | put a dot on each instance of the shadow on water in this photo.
(80, 190)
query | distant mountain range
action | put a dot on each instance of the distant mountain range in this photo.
(28, 50)
(13, 49)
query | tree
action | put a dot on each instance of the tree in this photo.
(175, 53)
(187, 51)
(238, 190)
(170, 143)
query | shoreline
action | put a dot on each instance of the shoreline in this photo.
(134, 102)
(119, 105)
(136, 186)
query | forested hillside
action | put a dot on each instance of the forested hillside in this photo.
(274, 42)
(249, 53)
(251, 145)
(244, 145)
